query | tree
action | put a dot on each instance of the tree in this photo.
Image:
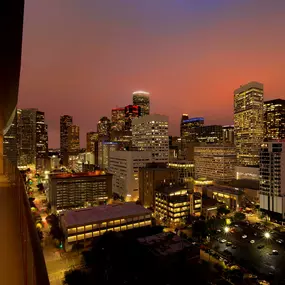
(199, 229)
(239, 216)
(75, 277)
(223, 210)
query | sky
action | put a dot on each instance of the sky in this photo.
(85, 57)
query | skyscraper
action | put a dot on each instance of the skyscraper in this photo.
(274, 119)
(91, 138)
(118, 119)
(10, 142)
(272, 178)
(41, 136)
(189, 129)
(103, 127)
(151, 133)
(73, 140)
(248, 123)
(228, 134)
(141, 98)
(65, 123)
(131, 112)
(27, 136)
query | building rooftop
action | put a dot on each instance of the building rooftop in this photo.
(79, 174)
(168, 189)
(164, 244)
(209, 202)
(102, 213)
(225, 189)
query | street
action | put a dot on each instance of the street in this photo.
(57, 261)
(259, 260)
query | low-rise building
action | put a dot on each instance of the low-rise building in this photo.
(172, 202)
(124, 165)
(195, 203)
(185, 169)
(75, 190)
(84, 224)
(230, 196)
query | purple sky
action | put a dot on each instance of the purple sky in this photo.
(85, 57)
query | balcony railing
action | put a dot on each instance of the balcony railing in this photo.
(22, 261)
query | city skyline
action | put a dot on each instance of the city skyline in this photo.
(176, 50)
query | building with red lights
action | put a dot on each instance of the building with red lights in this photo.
(131, 112)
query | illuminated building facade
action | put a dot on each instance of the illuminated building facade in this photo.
(150, 133)
(151, 177)
(172, 202)
(65, 123)
(274, 119)
(85, 224)
(248, 123)
(118, 119)
(195, 203)
(131, 112)
(32, 137)
(186, 170)
(141, 99)
(215, 162)
(209, 134)
(229, 134)
(124, 165)
(190, 129)
(73, 140)
(10, 142)
(272, 177)
(91, 139)
(67, 191)
(104, 127)
(105, 148)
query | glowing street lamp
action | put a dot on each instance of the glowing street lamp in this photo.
(267, 235)
(226, 229)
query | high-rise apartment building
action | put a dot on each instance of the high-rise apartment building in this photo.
(215, 162)
(131, 112)
(228, 134)
(10, 142)
(91, 139)
(272, 178)
(141, 99)
(73, 141)
(150, 133)
(32, 136)
(248, 123)
(104, 127)
(118, 119)
(65, 123)
(274, 119)
(124, 165)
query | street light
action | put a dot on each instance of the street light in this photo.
(267, 235)
(226, 229)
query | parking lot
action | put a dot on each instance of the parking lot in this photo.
(254, 247)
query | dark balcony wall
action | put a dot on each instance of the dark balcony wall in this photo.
(11, 30)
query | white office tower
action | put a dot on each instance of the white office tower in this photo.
(151, 133)
(272, 177)
(124, 165)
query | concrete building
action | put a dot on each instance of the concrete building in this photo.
(73, 140)
(104, 127)
(84, 224)
(141, 99)
(186, 170)
(65, 123)
(272, 178)
(172, 202)
(274, 119)
(248, 123)
(195, 203)
(247, 173)
(215, 162)
(118, 119)
(68, 191)
(229, 134)
(150, 133)
(151, 177)
(230, 196)
(105, 148)
(124, 165)
(131, 112)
